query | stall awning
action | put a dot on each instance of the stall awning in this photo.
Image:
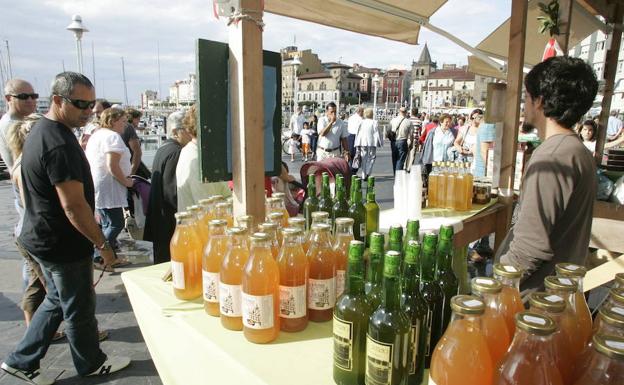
(496, 44)
(398, 20)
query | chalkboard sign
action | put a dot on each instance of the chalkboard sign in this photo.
(213, 108)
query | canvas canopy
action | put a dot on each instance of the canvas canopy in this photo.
(398, 20)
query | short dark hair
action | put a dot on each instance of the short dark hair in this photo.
(105, 103)
(594, 127)
(132, 114)
(330, 104)
(567, 87)
(65, 83)
(414, 111)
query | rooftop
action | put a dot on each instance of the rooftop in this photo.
(455, 74)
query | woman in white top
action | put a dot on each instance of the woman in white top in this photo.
(467, 137)
(443, 139)
(109, 159)
(366, 142)
(588, 135)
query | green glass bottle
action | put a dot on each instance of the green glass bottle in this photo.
(325, 200)
(415, 307)
(372, 210)
(395, 238)
(354, 178)
(340, 208)
(432, 293)
(357, 211)
(387, 341)
(311, 203)
(444, 273)
(351, 315)
(374, 273)
(412, 233)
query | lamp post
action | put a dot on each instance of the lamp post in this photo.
(78, 29)
(375, 86)
(339, 87)
(411, 90)
(295, 63)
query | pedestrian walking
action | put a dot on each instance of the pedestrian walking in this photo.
(306, 135)
(332, 135)
(400, 131)
(366, 142)
(353, 124)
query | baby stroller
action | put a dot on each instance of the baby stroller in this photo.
(135, 224)
(332, 166)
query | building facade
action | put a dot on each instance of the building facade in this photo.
(310, 63)
(451, 86)
(184, 92)
(366, 84)
(395, 88)
(337, 84)
(148, 99)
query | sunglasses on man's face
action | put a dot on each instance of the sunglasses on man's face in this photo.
(80, 104)
(24, 96)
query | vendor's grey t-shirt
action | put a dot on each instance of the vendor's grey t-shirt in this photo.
(556, 208)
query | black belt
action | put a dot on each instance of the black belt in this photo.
(329, 150)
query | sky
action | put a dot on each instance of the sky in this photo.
(137, 29)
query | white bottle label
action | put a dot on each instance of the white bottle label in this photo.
(230, 300)
(211, 286)
(362, 229)
(257, 311)
(378, 362)
(413, 347)
(340, 282)
(321, 293)
(343, 344)
(293, 301)
(177, 275)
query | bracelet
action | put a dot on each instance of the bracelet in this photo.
(105, 246)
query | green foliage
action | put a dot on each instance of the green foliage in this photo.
(550, 19)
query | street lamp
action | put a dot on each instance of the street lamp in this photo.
(411, 90)
(295, 63)
(339, 87)
(375, 86)
(78, 29)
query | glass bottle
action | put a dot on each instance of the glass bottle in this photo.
(395, 238)
(432, 293)
(340, 207)
(208, 204)
(412, 233)
(246, 222)
(357, 211)
(414, 305)
(577, 273)
(616, 298)
(261, 293)
(442, 183)
(298, 223)
(450, 186)
(387, 340)
(318, 217)
(374, 273)
(293, 270)
(530, 359)
(566, 289)
(211, 265)
(277, 217)
(468, 183)
(462, 355)
(445, 276)
(271, 229)
(432, 185)
(311, 203)
(494, 327)
(606, 365)
(223, 211)
(510, 300)
(553, 306)
(322, 276)
(372, 210)
(325, 200)
(280, 205)
(344, 236)
(198, 220)
(618, 283)
(610, 321)
(186, 257)
(460, 188)
(350, 324)
(231, 279)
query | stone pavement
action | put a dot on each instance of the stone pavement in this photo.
(113, 312)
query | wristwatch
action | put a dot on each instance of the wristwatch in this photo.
(104, 246)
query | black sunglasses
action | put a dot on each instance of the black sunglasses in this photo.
(24, 96)
(80, 104)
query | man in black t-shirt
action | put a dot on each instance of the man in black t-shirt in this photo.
(59, 231)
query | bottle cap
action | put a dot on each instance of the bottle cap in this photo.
(356, 251)
(550, 303)
(396, 233)
(278, 216)
(223, 205)
(429, 242)
(259, 237)
(617, 295)
(412, 251)
(321, 227)
(245, 221)
(446, 232)
(570, 270)
(296, 222)
(279, 195)
(320, 215)
(236, 231)
(611, 346)
(486, 285)
(217, 223)
(344, 221)
(206, 202)
(194, 209)
(467, 304)
(270, 226)
(535, 323)
(182, 215)
(560, 284)
(377, 243)
(413, 226)
(392, 264)
(612, 315)
(217, 198)
(292, 231)
(507, 271)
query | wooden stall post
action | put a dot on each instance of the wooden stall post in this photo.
(246, 85)
(565, 19)
(517, 41)
(610, 69)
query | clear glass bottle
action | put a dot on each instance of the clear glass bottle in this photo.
(211, 265)
(618, 283)
(186, 258)
(318, 217)
(277, 217)
(451, 184)
(231, 279)
(343, 236)
(198, 214)
(468, 184)
(616, 298)
(294, 271)
(281, 206)
(322, 277)
(606, 366)
(246, 222)
(433, 185)
(223, 210)
(510, 300)
(577, 273)
(566, 288)
(462, 355)
(271, 229)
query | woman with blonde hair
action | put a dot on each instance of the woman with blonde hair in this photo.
(366, 142)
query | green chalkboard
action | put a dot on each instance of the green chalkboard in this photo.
(214, 133)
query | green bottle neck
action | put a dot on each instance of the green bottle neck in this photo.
(428, 265)
(374, 274)
(355, 280)
(391, 293)
(411, 282)
(370, 197)
(445, 260)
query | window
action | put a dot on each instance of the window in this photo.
(322, 96)
(322, 87)
(310, 87)
(315, 96)
(349, 85)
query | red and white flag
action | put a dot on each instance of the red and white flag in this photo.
(552, 49)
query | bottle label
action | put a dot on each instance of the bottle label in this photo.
(321, 293)
(431, 381)
(211, 286)
(378, 362)
(257, 311)
(362, 230)
(340, 282)
(177, 275)
(230, 300)
(413, 347)
(292, 301)
(428, 322)
(343, 344)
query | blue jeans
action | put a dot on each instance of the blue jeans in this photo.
(350, 144)
(70, 297)
(401, 148)
(112, 222)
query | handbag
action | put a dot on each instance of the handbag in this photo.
(391, 134)
(357, 159)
